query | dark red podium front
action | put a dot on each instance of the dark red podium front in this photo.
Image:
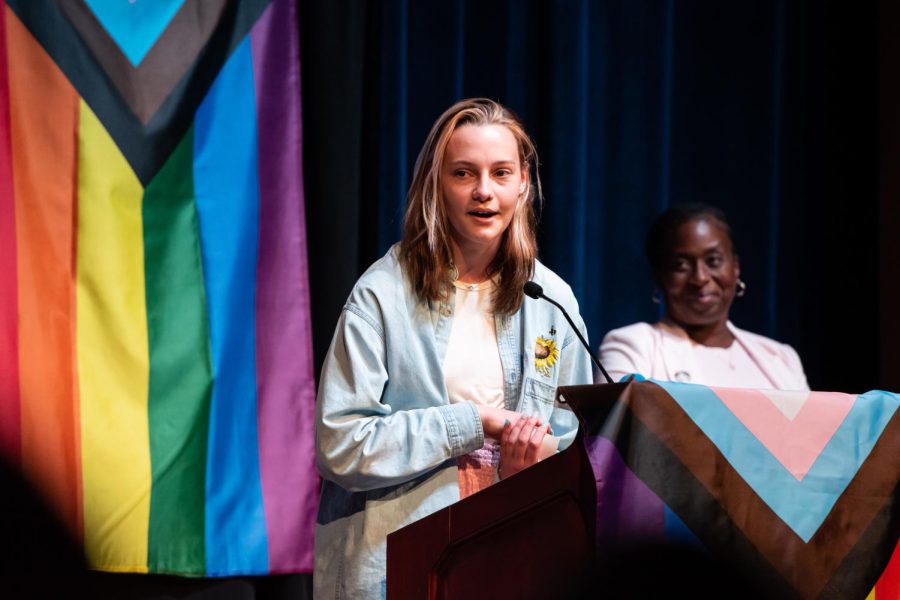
(528, 536)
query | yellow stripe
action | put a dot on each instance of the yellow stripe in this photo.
(113, 362)
(871, 595)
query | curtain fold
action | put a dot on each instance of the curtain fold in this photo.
(766, 109)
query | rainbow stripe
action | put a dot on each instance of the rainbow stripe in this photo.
(155, 354)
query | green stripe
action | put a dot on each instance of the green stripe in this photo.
(180, 367)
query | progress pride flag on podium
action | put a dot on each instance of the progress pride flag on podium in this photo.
(156, 376)
(796, 490)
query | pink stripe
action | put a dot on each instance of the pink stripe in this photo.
(286, 386)
(797, 442)
(10, 413)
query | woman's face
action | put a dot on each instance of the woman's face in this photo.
(482, 179)
(700, 273)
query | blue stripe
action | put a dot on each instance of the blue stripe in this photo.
(227, 187)
(803, 505)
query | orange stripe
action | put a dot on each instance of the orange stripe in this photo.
(44, 111)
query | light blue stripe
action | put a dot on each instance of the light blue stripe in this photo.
(803, 505)
(225, 175)
(134, 26)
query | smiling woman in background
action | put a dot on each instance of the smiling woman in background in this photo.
(697, 272)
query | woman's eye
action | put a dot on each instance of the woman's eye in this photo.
(714, 262)
(460, 173)
(503, 173)
(679, 266)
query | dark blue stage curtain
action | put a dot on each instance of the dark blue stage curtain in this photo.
(768, 109)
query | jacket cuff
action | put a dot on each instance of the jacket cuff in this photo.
(464, 429)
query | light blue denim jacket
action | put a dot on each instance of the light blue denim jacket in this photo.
(387, 436)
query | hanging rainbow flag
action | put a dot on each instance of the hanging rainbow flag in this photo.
(155, 357)
(799, 492)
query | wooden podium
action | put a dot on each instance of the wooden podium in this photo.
(528, 536)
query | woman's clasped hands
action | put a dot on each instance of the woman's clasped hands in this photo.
(524, 440)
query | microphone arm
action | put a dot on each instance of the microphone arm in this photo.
(535, 291)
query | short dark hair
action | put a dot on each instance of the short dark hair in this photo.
(662, 231)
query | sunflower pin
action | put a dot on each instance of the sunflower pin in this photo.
(545, 355)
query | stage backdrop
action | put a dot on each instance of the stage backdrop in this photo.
(155, 354)
(766, 108)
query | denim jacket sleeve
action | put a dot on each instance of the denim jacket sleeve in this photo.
(368, 436)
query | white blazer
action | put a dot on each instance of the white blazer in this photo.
(664, 351)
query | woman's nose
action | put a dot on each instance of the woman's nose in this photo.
(699, 274)
(482, 189)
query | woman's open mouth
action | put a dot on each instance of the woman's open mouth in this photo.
(483, 214)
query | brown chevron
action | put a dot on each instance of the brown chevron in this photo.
(145, 87)
(808, 567)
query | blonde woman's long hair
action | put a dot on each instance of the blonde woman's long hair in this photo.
(425, 250)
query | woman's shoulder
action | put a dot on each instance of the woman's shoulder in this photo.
(760, 341)
(381, 281)
(385, 268)
(630, 349)
(552, 283)
(772, 352)
(555, 287)
(635, 332)
(769, 347)
(546, 276)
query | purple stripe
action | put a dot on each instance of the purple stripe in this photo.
(627, 510)
(286, 387)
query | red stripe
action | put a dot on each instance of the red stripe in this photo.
(888, 587)
(10, 413)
